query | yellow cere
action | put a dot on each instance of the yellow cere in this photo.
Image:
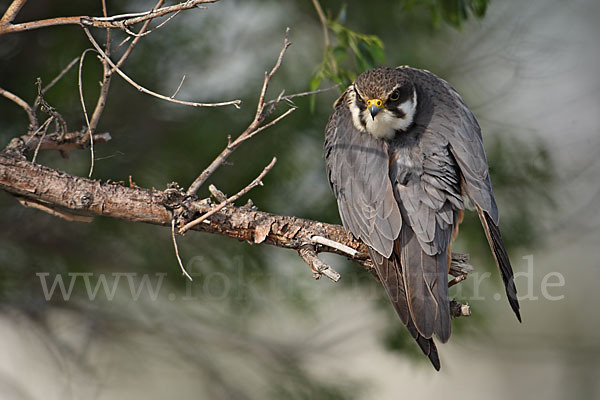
(374, 102)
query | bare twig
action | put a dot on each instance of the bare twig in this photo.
(217, 194)
(106, 79)
(249, 135)
(48, 109)
(143, 32)
(301, 94)
(333, 244)
(60, 75)
(85, 114)
(323, 20)
(53, 141)
(33, 122)
(231, 146)
(183, 271)
(235, 103)
(137, 39)
(135, 18)
(42, 207)
(44, 126)
(254, 183)
(104, 86)
(115, 21)
(178, 87)
(268, 76)
(319, 268)
(12, 11)
(456, 280)
(252, 129)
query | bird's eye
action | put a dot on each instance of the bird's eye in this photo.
(359, 99)
(394, 96)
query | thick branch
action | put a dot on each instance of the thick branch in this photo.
(91, 197)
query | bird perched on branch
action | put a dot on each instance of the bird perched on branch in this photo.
(404, 157)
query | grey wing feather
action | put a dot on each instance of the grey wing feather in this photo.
(454, 122)
(451, 120)
(358, 170)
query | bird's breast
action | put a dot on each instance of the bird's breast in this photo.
(406, 164)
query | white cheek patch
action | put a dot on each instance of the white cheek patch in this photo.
(409, 108)
(355, 111)
(385, 125)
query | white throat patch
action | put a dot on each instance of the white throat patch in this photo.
(385, 124)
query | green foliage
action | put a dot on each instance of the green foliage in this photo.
(453, 12)
(352, 52)
(366, 51)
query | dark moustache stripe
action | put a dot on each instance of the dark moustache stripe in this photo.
(398, 113)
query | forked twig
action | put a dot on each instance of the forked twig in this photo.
(254, 183)
(104, 87)
(115, 21)
(135, 41)
(254, 126)
(235, 103)
(319, 268)
(48, 109)
(143, 32)
(44, 126)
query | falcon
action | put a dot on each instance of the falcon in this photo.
(405, 157)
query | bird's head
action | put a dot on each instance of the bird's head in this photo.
(382, 102)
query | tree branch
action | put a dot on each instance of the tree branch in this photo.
(253, 184)
(235, 103)
(12, 11)
(115, 21)
(19, 146)
(254, 127)
(76, 195)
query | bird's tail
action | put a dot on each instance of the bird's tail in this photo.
(426, 286)
(390, 274)
(494, 238)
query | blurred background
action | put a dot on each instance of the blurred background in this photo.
(254, 324)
